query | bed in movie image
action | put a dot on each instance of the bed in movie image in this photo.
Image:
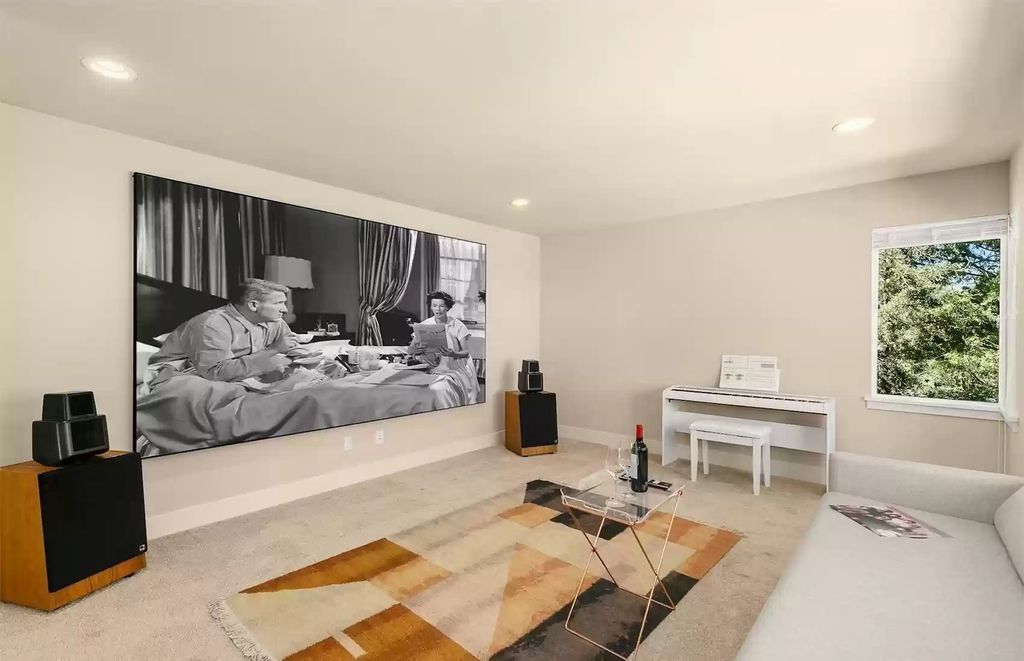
(256, 319)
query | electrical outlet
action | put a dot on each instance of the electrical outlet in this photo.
(380, 437)
(348, 442)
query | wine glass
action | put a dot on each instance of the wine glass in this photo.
(614, 464)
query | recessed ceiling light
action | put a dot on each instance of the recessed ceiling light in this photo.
(109, 68)
(853, 125)
(520, 202)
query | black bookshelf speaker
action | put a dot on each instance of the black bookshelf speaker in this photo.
(530, 378)
(93, 517)
(531, 382)
(65, 406)
(70, 429)
(59, 443)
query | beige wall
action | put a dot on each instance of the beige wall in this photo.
(68, 309)
(630, 310)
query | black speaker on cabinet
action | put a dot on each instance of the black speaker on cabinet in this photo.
(531, 382)
(70, 429)
(530, 378)
(64, 406)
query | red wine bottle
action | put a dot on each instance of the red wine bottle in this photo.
(638, 462)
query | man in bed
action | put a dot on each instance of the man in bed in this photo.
(247, 337)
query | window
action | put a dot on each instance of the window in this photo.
(462, 274)
(939, 318)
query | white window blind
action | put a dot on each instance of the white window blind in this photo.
(971, 229)
(462, 275)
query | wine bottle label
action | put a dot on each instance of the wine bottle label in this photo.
(634, 466)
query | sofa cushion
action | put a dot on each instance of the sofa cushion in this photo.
(1010, 526)
(850, 594)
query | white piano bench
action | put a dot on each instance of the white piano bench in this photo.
(758, 437)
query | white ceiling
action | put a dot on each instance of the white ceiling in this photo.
(598, 111)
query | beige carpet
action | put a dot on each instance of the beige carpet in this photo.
(162, 613)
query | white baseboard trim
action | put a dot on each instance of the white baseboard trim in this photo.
(603, 437)
(793, 464)
(186, 518)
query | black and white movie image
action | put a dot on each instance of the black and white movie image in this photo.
(256, 319)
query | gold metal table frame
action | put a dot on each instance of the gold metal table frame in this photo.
(570, 507)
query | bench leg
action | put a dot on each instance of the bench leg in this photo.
(694, 442)
(704, 443)
(755, 451)
(766, 461)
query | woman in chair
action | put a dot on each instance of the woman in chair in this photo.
(454, 358)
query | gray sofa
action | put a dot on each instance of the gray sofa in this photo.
(851, 595)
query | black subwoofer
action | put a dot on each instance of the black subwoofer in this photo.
(93, 517)
(531, 422)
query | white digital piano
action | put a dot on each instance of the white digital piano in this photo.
(818, 435)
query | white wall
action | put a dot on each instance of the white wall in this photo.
(68, 264)
(789, 277)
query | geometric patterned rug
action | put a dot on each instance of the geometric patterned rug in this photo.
(493, 580)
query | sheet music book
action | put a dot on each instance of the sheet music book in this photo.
(750, 373)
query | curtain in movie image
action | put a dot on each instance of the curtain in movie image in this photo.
(202, 238)
(386, 255)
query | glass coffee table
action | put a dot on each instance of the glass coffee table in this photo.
(612, 500)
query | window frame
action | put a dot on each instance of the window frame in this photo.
(948, 407)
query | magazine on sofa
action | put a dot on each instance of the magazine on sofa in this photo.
(888, 522)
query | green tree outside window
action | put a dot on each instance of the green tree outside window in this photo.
(938, 321)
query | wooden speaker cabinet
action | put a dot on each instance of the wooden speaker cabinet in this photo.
(531, 423)
(71, 530)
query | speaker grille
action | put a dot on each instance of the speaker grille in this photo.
(538, 419)
(93, 516)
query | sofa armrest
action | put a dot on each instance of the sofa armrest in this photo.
(959, 492)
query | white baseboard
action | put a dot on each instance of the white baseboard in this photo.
(603, 437)
(168, 523)
(793, 464)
